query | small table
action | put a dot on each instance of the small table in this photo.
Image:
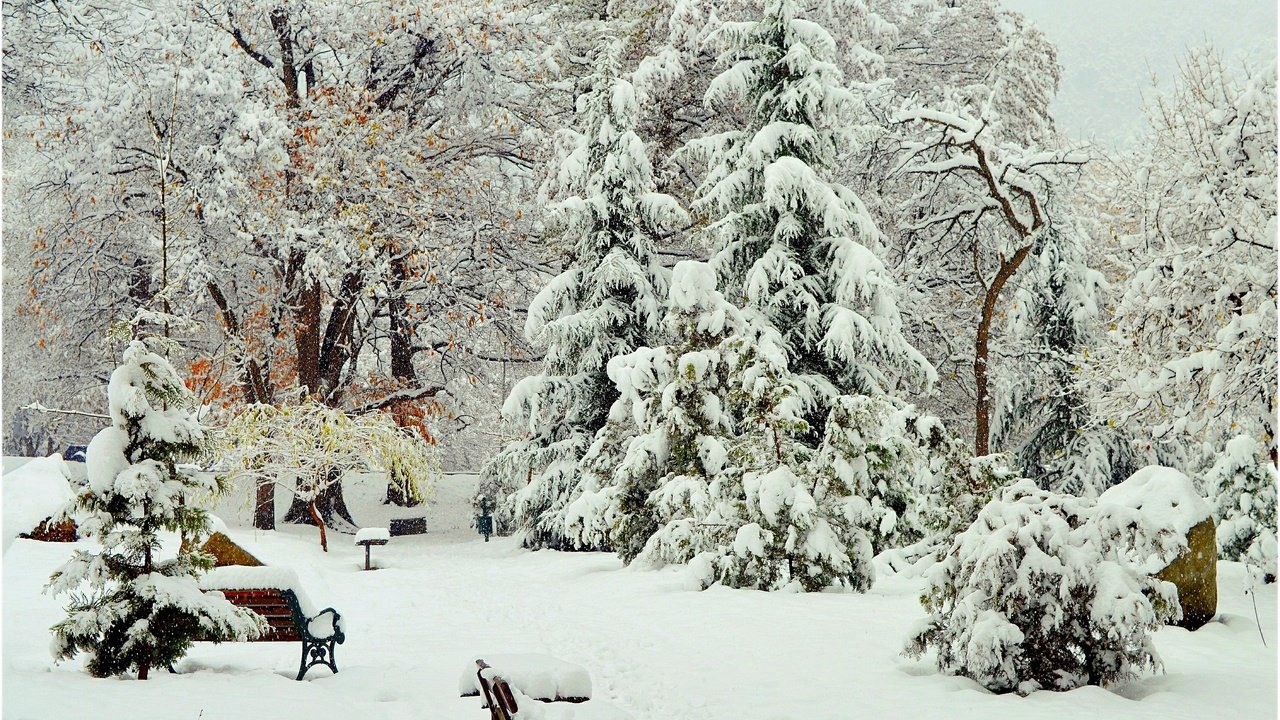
(371, 536)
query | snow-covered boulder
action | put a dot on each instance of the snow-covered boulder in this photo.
(1166, 503)
(33, 492)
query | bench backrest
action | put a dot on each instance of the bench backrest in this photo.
(280, 608)
(497, 694)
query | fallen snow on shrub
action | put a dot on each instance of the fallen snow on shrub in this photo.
(1035, 595)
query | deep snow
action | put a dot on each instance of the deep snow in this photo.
(654, 646)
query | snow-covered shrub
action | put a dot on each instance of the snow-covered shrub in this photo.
(1043, 592)
(1244, 482)
(133, 606)
(959, 487)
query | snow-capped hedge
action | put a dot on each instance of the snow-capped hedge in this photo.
(1040, 593)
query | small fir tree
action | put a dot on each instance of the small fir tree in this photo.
(132, 605)
(1244, 482)
(606, 303)
(675, 398)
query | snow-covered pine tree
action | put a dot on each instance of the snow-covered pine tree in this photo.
(1244, 482)
(1048, 426)
(657, 485)
(819, 309)
(876, 453)
(607, 302)
(794, 248)
(133, 605)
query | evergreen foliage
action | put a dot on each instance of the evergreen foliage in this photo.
(132, 605)
(1041, 592)
(607, 302)
(794, 248)
(674, 401)
(1243, 481)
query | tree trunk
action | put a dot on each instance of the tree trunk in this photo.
(307, 337)
(981, 350)
(329, 503)
(142, 671)
(264, 510)
(315, 516)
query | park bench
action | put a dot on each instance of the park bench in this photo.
(497, 693)
(273, 593)
(529, 686)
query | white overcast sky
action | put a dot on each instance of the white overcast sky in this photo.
(1110, 49)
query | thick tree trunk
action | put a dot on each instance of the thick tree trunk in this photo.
(264, 509)
(330, 504)
(307, 336)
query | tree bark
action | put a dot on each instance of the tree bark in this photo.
(981, 351)
(315, 516)
(264, 509)
(329, 503)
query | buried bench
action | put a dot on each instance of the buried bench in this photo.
(497, 693)
(274, 593)
(534, 687)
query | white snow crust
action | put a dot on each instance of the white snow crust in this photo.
(372, 533)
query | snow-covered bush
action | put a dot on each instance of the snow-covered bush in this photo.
(959, 486)
(133, 606)
(1244, 482)
(1047, 591)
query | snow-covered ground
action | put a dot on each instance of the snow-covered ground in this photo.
(655, 647)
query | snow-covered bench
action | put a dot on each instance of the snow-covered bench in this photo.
(521, 686)
(276, 595)
(541, 677)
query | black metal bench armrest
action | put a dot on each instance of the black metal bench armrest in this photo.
(337, 635)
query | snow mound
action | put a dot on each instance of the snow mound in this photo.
(1163, 496)
(37, 490)
(541, 677)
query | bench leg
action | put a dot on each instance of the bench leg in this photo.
(317, 653)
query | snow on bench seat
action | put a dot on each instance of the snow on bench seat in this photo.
(541, 677)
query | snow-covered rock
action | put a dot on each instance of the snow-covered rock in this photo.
(34, 491)
(1163, 501)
